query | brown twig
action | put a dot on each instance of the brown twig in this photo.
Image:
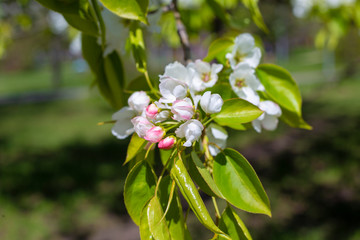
(181, 30)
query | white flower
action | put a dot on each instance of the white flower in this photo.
(244, 51)
(218, 136)
(138, 101)
(162, 116)
(269, 119)
(141, 125)
(183, 109)
(245, 84)
(204, 75)
(211, 103)
(178, 72)
(191, 130)
(172, 90)
(123, 126)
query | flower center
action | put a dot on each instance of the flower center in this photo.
(239, 57)
(240, 83)
(205, 77)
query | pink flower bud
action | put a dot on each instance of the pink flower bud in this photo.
(151, 111)
(183, 109)
(154, 134)
(167, 143)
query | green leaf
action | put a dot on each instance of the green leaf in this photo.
(135, 146)
(144, 230)
(202, 176)
(115, 76)
(139, 189)
(62, 6)
(192, 196)
(86, 26)
(231, 224)
(138, 46)
(252, 5)
(131, 9)
(223, 89)
(93, 55)
(238, 182)
(157, 224)
(236, 111)
(294, 120)
(280, 86)
(218, 49)
(174, 217)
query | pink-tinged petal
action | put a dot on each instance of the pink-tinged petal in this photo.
(167, 143)
(154, 134)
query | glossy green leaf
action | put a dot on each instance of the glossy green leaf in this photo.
(236, 111)
(192, 196)
(219, 48)
(174, 217)
(93, 55)
(294, 120)
(135, 146)
(144, 229)
(157, 224)
(84, 25)
(238, 182)
(280, 86)
(231, 224)
(131, 9)
(62, 6)
(139, 189)
(138, 46)
(223, 89)
(252, 5)
(115, 76)
(201, 175)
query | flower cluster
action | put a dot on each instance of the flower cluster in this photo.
(244, 58)
(176, 115)
(180, 113)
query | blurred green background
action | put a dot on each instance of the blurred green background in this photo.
(61, 175)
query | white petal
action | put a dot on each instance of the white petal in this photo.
(270, 108)
(245, 42)
(205, 100)
(256, 125)
(122, 130)
(270, 122)
(124, 114)
(253, 58)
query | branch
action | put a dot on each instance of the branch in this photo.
(181, 30)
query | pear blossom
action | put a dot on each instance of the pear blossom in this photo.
(141, 125)
(216, 135)
(269, 119)
(172, 90)
(138, 101)
(162, 116)
(205, 75)
(178, 72)
(154, 134)
(123, 126)
(190, 130)
(151, 111)
(167, 143)
(244, 51)
(245, 84)
(211, 103)
(183, 109)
